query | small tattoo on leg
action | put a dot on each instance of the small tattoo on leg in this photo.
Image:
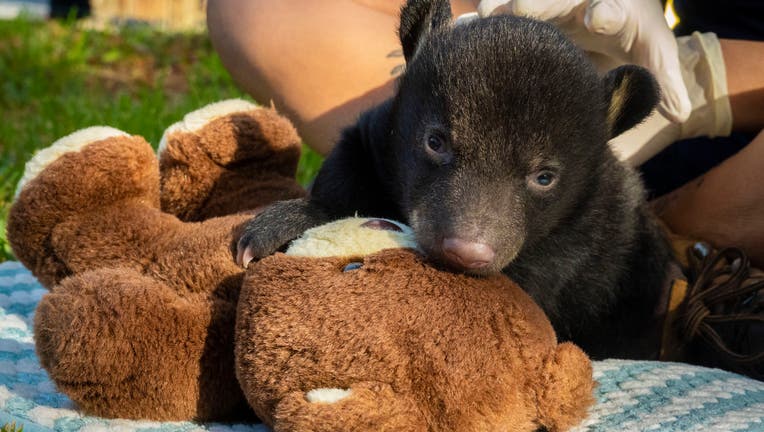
(398, 69)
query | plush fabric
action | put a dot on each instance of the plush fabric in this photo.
(143, 284)
(631, 395)
(27, 395)
(341, 239)
(419, 348)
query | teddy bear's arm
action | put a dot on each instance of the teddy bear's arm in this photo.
(122, 344)
(565, 388)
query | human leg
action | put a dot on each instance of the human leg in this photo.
(321, 63)
(724, 206)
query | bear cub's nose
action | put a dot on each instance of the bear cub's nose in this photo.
(466, 254)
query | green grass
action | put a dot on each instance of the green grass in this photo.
(59, 77)
(11, 427)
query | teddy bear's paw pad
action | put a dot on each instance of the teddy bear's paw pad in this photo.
(196, 120)
(73, 142)
(327, 395)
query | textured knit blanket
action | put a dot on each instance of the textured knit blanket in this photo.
(631, 396)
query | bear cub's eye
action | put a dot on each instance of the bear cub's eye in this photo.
(437, 148)
(435, 143)
(543, 179)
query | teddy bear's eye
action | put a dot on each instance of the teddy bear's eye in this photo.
(352, 266)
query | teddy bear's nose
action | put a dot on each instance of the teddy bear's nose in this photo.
(466, 254)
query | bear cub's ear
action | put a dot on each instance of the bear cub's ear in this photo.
(631, 93)
(419, 18)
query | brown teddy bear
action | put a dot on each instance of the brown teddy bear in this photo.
(143, 285)
(352, 330)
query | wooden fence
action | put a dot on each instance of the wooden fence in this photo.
(167, 14)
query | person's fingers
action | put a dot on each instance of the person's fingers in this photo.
(493, 7)
(465, 18)
(606, 17)
(662, 59)
(617, 29)
(647, 42)
(545, 10)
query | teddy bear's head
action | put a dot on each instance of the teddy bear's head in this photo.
(352, 326)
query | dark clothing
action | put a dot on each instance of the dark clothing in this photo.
(729, 19)
(688, 159)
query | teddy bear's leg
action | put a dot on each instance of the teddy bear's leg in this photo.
(364, 406)
(566, 388)
(86, 171)
(121, 344)
(225, 158)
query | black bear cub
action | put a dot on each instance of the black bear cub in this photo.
(494, 149)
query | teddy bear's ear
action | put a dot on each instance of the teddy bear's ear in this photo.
(631, 93)
(419, 19)
(568, 388)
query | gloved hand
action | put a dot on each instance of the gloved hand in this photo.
(627, 31)
(704, 73)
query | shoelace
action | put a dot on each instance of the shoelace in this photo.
(724, 295)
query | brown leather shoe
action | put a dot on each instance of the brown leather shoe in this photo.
(720, 321)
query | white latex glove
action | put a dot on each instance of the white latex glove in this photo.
(704, 74)
(627, 31)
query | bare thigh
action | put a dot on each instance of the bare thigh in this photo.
(725, 206)
(320, 62)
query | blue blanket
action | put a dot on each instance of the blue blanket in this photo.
(631, 396)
